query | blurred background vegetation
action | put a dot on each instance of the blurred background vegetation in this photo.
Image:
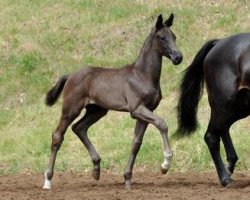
(40, 40)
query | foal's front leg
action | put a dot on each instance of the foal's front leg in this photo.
(140, 128)
(146, 115)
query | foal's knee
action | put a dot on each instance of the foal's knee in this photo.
(161, 124)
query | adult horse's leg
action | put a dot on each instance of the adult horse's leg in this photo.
(140, 128)
(216, 129)
(240, 110)
(57, 139)
(92, 115)
(230, 151)
(143, 113)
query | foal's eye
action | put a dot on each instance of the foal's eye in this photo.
(162, 38)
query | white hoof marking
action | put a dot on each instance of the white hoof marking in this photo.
(47, 183)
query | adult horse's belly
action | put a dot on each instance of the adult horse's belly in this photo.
(244, 68)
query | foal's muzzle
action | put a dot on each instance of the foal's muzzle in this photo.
(176, 57)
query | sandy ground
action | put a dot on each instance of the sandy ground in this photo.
(69, 185)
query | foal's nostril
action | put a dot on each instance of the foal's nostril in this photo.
(177, 59)
(180, 58)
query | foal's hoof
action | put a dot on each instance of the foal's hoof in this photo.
(164, 170)
(128, 185)
(96, 174)
(226, 182)
(47, 183)
(46, 187)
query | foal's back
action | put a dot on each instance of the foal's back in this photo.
(102, 86)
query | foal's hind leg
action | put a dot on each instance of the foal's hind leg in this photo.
(92, 115)
(140, 128)
(57, 139)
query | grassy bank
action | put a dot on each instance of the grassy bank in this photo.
(41, 40)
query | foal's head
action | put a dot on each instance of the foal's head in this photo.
(165, 40)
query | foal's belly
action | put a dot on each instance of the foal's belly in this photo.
(110, 104)
(111, 98)
(108, 91)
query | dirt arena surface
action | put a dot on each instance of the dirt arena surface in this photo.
(69, 185)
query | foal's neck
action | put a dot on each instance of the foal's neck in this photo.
(149, 61)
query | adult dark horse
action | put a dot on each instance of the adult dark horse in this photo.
(135, 88)
(225, 66)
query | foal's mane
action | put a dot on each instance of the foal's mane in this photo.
(146, 47)
(148, 40)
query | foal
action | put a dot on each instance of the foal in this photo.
(135, 88)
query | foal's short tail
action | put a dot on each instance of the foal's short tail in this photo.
(191, 91)
(55, 91)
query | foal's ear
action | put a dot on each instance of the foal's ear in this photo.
(159, 23)
(169, 21)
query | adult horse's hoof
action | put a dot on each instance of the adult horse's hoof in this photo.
(229, 169)
(164, 170)
(96, 174)
(226, 182)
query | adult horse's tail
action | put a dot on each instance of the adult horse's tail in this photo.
(191, 91)
(55, 91)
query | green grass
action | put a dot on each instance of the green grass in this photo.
(40, 40)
